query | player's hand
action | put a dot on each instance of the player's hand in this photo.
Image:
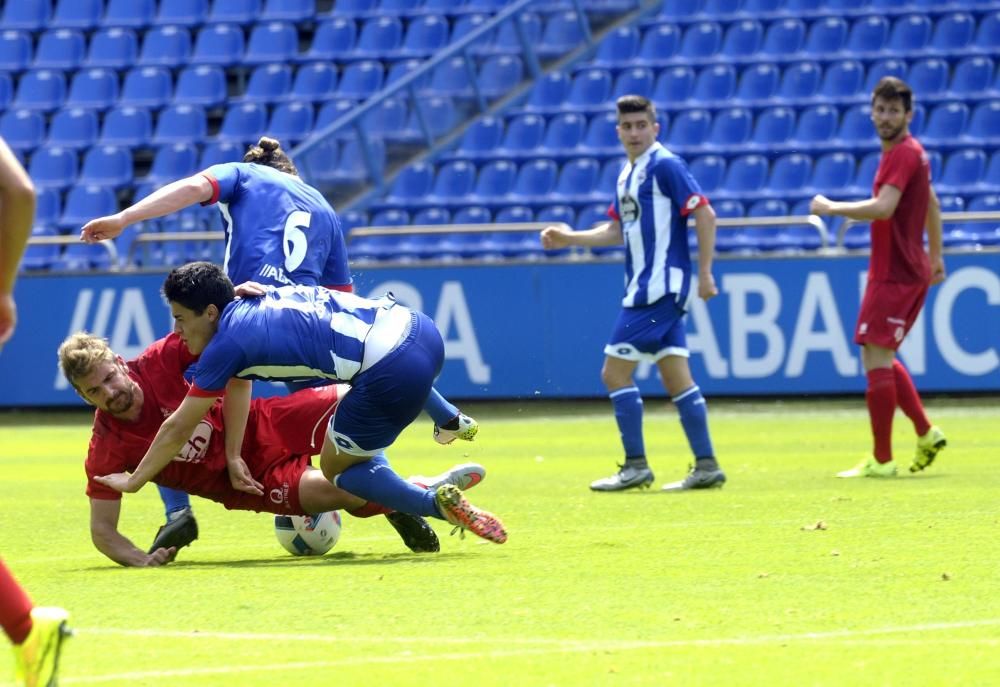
(820, 205)
(250, 289)
(159, 557)
(119, 481)
(241, 479)
(938, 272)
(706, 286)
(555, 237)
(8, 317)
(102, 228)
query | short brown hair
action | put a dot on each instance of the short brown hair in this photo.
(627, 104)
(268, 152)
(80, 353)
(892, 88)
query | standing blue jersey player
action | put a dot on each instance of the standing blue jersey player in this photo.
(279, 231)
(389, 355)
(655, 197)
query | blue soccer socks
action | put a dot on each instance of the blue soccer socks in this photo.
(374, 480)
(628, 413)
(694, 419)
(173, 500)
(440, 410)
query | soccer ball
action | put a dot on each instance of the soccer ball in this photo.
(308, 535)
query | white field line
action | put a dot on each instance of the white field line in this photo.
(544, 646)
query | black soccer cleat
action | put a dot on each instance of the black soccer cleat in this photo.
(179, 532)
(417, 534)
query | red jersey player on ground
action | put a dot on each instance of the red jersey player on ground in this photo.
(899, 274)
(271, 472)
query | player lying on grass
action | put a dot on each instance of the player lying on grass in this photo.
(271, 472)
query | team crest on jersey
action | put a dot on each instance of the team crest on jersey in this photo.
(640, 176)
(629, 208)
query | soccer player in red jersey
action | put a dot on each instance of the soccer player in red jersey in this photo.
(899, 274)
(270, 472)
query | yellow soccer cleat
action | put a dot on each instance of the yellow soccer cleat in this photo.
(37, 658)
(869, 467)
(928, 446)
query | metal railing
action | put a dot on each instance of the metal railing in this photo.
(946, 218)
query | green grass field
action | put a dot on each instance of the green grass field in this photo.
(739, 586)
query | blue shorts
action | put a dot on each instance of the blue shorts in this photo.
(384, 399)
(649, 332)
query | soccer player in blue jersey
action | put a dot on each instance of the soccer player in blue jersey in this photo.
(279, 231)
(388, 354)
(655, 197)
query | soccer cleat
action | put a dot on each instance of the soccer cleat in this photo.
(626, 478)
(928, 446)
(869, 467)
(457, 510)
(180, 530)
(465, 429)
(37, 658)
(464, 476)
(698, 479)
(416, 532)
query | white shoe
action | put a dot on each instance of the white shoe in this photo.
(467, 430)
(464, 476)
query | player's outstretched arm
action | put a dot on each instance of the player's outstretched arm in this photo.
(171, 198)
(561, 236)
(881, 206)
(109, 541)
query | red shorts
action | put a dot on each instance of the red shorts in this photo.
(888, 310)
(281, 488)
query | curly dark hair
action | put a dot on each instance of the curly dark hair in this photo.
(268, 152)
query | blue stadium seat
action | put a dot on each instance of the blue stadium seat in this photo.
(577, 180)
(388, 118)
(26, 15)
(946, 123)
(60, 49)
(430, 217)
(40, 257)
(984, 124)
(590, 88)
(689, 129)
(453, 182)
(817, 124)
(23, 130)
(800, 80)
(354, 7)
(244, 123)
(360, 79)
(677, 9)
(40, 89)
(149, 87)
(564, 133)
(494, 181)
(730, 128)
(988, 33)
(842, 79)
(472, 214)
(331, 111)
(351, 219)
(172, 162)
(619, 48)
(334, 39)
(849, 5)
(113, 48)
(856, 125)
(919, 118)
(868, 34)
(482, 136)
(165, 46)
(634, 81)
(972, 74)
(803, 6)
(269, 83)
(187, 13)
(522, 134)
(219, 44)
(288, 10)
(95, 88)
(660, 43)
(411, 184)
(937, 163)
(953, 32)
(910, 33)
(499, 75)
(701, 40)
(512, 214)
(271, 42)
(15, 50)
(765, 238)
(717, 8)
(984, 233)
(929, 76)
(556, 213)
(742, 39)
(106, 165)
(180, 124)
(204, 85)
(379, 36)
(451, 78)
(241, 12)
(562, 33)
(746, 174)
(402, 68)
(218, 152)
(127, 126)
(439, 113)
(883, 68)
(789, 174)
(758, 82)
(133, 14)
(424, 36)
(674, 85)
(833, 172)
(784, 37)
(291, 122)
(774, 127)
(962, 169)
(73, 128)
(52, 167)
(549, 92)
(709, 170)
(591, 215)
(715, 82)
(601, 137)
(6, 90)
(399, 7)
(316, 81)
(826, 35)
(864, 176)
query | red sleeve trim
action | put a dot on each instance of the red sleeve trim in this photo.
(693, 202)
(346, 288)
(612, 214)
(215, 189)
(202, 393)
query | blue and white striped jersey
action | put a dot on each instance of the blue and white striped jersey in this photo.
(291, 333)
(654, 197)
(279, 229)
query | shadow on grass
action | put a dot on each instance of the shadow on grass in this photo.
(340, 558)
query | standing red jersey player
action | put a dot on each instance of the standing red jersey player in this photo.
(899, 274)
